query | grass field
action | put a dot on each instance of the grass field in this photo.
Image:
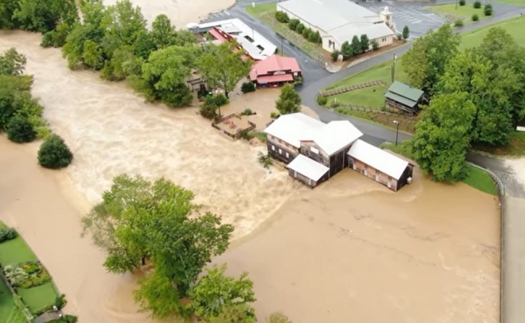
(7, 305)
(370, 97)
(516, 146)
(512, 2)
(40, 297)
(14, 252)
(477, 178)
(449, 12)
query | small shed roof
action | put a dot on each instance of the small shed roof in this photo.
(379, 159)
(404, 94)
(272, 64)
(308, 167)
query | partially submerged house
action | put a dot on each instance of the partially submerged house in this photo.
(275, 71)
(383, 167)
(313, 150)
(401, 96)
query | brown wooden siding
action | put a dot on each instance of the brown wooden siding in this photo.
(305, 180)
(281, 152)
(373, 173)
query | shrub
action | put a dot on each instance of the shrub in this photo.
(322, 100)
(459, 23)
(306, 33)
(208, 111)
(245, 134)
(293, 23)
(334, 104)
(54, 153)
(475, 17)
(300, 27)
(335, 55)
(27, 275)
(462, 2)
(488, 10)
(7, 234)
(477, 4)
(60, 301)
(220, 99)
(247, 87)
(375, 44)
(399, 36)
(274, 115)
(20, 130)
(265, 160)
(281, 17)
(247, 112)
(278, 318)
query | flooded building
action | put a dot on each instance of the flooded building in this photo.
(401, 96)
(275, 71)
(383, 167)
(313, 151)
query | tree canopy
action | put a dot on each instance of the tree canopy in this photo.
(426, 61)
(289, 101)
(139, 221)
(222, 67)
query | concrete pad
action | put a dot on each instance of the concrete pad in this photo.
(513, 261)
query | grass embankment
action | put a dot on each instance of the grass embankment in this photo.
(265, 12)
(512, 2)
(383, 72)
(15, 252)
(477, 178)
(465, 13)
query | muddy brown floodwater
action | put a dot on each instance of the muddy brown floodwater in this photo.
(350, 250)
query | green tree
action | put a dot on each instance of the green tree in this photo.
(278, 318)
(356, 45)
(44, 15)
(222, 67)
(425, 62)
(235, 314)
(347, 50)
(20, 130)
(364, 43)
(138, 221)
(163, 33)
(216, 292)
(54, 153)
(406, 32)
(289, 101)
(12, 62)
(7, 10)
(164, 75)
(442, 137)
(12, 89)
(144, 45)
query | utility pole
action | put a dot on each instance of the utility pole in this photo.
(397, 129)
(282, 46)
(394, 68)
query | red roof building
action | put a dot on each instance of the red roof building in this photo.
(275, 71)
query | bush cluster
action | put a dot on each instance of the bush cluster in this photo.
(475, 17)
(20, 130)
(459, 23)
(298, 27)
(247, 87)
(488, 11)
(462, 2)
(247, 112)
(7, 234)
(477, 4)
(27, 275)
(322, 100)
(54, 153)
(211, 104)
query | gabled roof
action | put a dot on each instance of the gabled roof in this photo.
(296, 127)
(404, 94)
(308, 167)
(274, 63)
(379, 159)
(373, 31)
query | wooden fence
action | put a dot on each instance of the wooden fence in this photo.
(237, 133)
(352, 88)
(376, 110)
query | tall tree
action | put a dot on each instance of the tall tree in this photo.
(139, 220)
(7, 11)
(163, 33)
(289, 101)
(426, 61)
(347, 50)
(488, 89)
(356, 45)
(44, 15)
(215, 292)
(442, 137)
(364, 42)
(12, 62)
(406, 32)
(222, 67)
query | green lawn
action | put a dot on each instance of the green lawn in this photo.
(370, 97)
(514, 27)
(37, 298)
(512, 2)
(16, 316)
(449, 12)
(262, 9)
(15, 251)
(7, 305)
(477, 178)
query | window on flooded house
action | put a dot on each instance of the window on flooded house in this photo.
(287, 155)
(280, 151)
(273, 147)
(314, 150)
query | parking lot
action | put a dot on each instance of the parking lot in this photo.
(413, 15)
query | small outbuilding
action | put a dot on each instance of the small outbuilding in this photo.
(308, 171)
(384, 167)
(401, 96)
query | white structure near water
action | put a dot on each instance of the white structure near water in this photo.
(339, 21)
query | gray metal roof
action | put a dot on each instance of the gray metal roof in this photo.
(328, 14)
(404, 94)
(373, 31)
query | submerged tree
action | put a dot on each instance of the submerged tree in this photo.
(289, 101)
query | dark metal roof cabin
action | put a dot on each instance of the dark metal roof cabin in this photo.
(403, 97)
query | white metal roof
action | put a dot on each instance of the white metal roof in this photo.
(379, 159)
(327, 14)
(238, 29)
(373, 31)
(296, 127)
(308, 167)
